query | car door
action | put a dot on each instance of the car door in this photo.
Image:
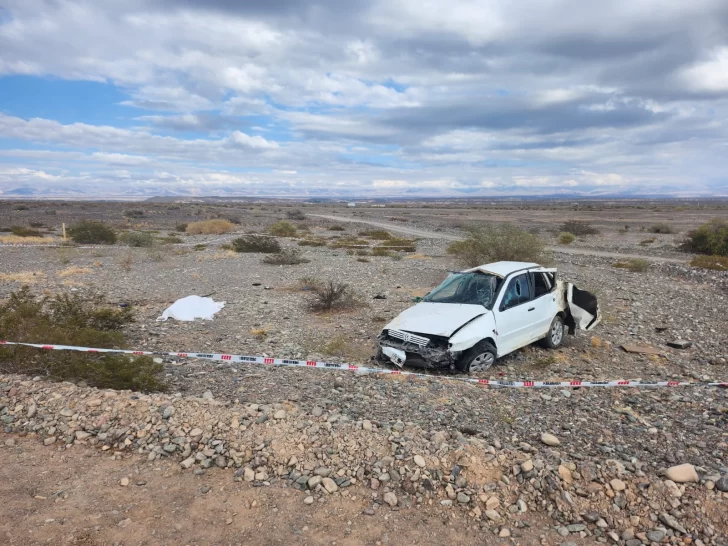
(543, 306)
(513, 320)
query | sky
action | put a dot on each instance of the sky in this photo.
(363, 98)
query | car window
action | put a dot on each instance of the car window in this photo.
(541, 284)
(518, 291)
(472, 288)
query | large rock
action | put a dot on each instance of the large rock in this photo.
(618, 485)
(722, 484)
(420, 461)
(391, 499)
(329, 485)
(550, 439)
(682, 473)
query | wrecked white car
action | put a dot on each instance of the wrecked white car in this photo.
(477, 316)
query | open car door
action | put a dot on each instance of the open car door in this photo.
(583, 306)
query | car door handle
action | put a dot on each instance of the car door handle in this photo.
(532, 308)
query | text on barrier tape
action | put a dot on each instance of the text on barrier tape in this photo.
(362, 369)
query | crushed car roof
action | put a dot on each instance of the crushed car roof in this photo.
(502, 269)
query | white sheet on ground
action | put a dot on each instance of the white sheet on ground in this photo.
(191, 308)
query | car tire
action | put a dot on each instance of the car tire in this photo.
(555, 335)
(478, 358)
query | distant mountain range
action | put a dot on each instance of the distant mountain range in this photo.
(55, 192)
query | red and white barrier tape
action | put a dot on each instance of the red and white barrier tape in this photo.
(231, 358)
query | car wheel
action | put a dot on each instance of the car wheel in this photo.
(478, 358)
(555, 335)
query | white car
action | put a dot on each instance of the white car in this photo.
(477, 316)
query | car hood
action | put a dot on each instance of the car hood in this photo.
(437, 319)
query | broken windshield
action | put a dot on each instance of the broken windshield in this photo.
(472, 288)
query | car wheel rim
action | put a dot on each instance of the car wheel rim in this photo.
(557, 332)
(482, 362)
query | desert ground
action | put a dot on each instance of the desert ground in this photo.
(254, 454)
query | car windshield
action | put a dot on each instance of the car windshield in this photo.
(472, 288)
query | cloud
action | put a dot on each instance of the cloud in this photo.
(395, 95)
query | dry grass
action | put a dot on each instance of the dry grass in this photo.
(210, 227)
(342, 346)
(73, 271)
(566, 238)
(417, 257)
(716, 263)
(24, 277)
(15, 240)
(261, 332)
(223, 255)
(126, 260)
(636, 265)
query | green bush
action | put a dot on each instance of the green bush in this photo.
(311, 242)
(255, 243)
(22, 231)
(88, 232)
(287, 256)
(181, 228)
(295, 214)
(379, 234)
(710, 238)
(21, 207)
(566, 238)
(282, 229)
(136, 239)
(72, 320)
(394, 243)
(716, 263)
(171, 240)
(499, 242)
(336, 228)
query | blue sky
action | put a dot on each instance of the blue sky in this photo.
(386, 98)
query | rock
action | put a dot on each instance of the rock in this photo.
(329, 485)
(168, 412)
(492, 503)
(82, 435)
(196, 433)
(308, 500)
(492, 515)
(280, 414)
(207, 395)
(617, 485)
(366, 425)
(32, 410)
(504, 533)
(123, 482)
(655, 535)
(65, 412)
(576, 527)
(673, 489)
(680, 344)
(420, 461)
(313, 481)
(391, 499)
(722, 484)
(188, 462)
(49, 441)
(317, 411)
(550, 439)
(463, 498)
(527, 466)
(248, 474)
(565, 474)
(672, 523)
(124, 523)
(446, 502)
(439, 438)
(683, 473)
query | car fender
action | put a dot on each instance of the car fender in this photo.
(474, 331)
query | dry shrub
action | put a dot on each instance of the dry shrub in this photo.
(295, 214)
(336, 228)
(661, 228)
(170, 240)
(578, 227)
(332, 295)
(182, 228)
(403, 245)
(15, 240)
(362, 260)
(88, 232)
(311, 242)
(382, 252)
(378, 234)
(349, 242)
(22, 231)
(126, 260)
(134, 213)
(636, 265)
(210, 227)
(500, 242)
(716, 263)
(646, 242)
(342, 346)
(566, 238)
(282, 229)
(71, 320)
(710, 238)
(255, 243)
(286, 256)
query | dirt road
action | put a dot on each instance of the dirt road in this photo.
(449, 237)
